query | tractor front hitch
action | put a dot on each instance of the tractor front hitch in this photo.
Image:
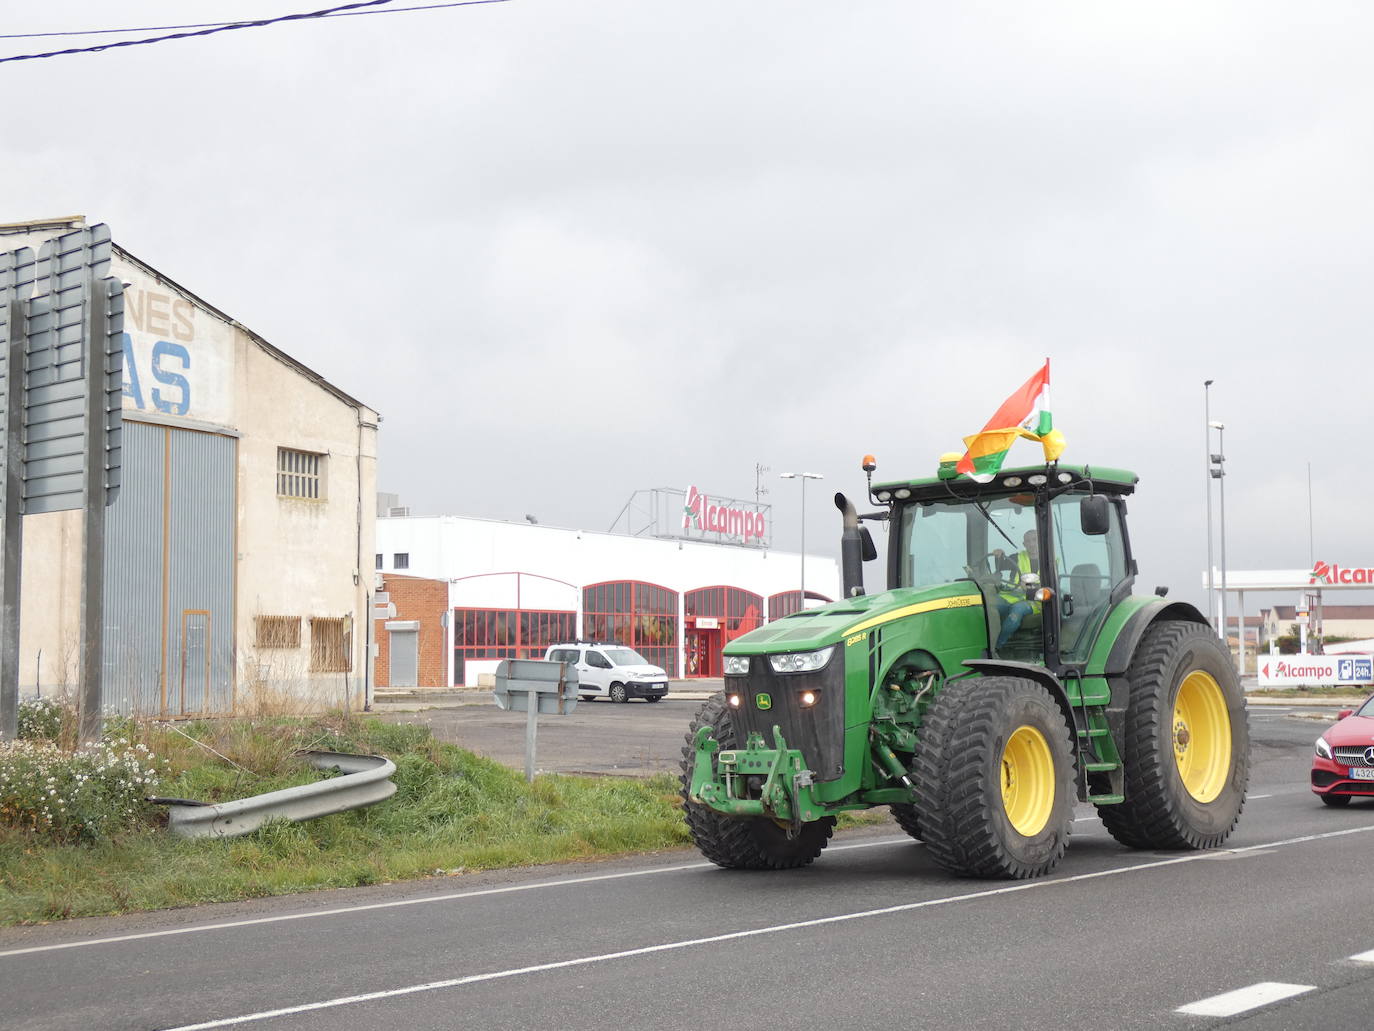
(754, 780)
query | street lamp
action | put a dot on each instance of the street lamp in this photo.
(803, 477)
(1207, 454)
(1217, 470)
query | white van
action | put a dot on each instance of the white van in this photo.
(611, 671)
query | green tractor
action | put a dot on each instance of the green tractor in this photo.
(1007, 670)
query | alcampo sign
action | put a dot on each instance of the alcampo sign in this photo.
(1291, 670)
(1324, 573)
(730, 520)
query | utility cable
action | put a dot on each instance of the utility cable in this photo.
(214, 24)
(341, 11)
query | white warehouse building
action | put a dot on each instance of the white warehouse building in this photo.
(515, 588)
(238, 548)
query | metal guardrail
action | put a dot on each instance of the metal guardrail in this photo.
(366, 781)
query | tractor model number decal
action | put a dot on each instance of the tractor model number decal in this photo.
(958, 601)
(851, 641)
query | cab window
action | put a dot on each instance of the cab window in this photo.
(1089, 569)
(598, 660)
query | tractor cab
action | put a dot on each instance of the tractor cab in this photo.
(1046, 546)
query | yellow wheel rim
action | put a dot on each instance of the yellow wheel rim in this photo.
(1202, 736)
(1028, 781)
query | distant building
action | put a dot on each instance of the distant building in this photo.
(238, 549)
(512, 589)
(1353, 621)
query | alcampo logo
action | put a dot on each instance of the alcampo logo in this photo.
(1324, 573)
(737, 522)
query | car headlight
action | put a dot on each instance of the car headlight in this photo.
(800, 662)
(736, 665)
(1323, 749)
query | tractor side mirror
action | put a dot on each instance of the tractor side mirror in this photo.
(870, 550)
(1094, 515)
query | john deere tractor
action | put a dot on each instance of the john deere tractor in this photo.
(904, 698)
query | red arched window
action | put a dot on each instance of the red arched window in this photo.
(785, 603)
(642, 616)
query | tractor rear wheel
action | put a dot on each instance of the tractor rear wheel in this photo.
(994, 778)
(1187, 754)
(743, 843)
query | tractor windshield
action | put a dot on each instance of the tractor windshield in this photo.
(957, 539)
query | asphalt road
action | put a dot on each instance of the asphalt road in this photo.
(872, 935)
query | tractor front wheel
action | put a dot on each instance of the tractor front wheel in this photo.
(994, 779)
(905, 815)
(743, 843)
(1187, 753)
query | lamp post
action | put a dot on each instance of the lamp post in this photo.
(1217, 470)
(803, 477)
(1207, 455)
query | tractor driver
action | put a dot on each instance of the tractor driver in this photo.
(1012, 604)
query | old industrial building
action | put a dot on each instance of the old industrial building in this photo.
(238, 567)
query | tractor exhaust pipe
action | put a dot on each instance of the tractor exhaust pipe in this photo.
(851, 548)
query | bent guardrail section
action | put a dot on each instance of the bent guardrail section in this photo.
(366, 781)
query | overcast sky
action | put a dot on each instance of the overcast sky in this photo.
(570, 249)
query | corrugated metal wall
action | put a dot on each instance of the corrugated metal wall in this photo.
(133, 575)
(169, 574)
(200, 597)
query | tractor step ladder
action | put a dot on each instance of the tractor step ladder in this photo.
(1098, 759)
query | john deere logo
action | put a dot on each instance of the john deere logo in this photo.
(763, 700)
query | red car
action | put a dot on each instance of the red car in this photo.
(1343, 767)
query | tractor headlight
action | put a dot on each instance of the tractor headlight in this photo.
(1323, 749)
(734, 700)
(736, 665)
(808, 698)
(800, 662)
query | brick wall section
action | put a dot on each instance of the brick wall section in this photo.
(424, 601)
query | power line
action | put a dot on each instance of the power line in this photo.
(214, 24)
(344, 11)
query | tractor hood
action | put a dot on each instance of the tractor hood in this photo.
(833, 623)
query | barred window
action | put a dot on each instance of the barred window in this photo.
(401, 560)
(277, 631)
(300, 474)
(331, 644)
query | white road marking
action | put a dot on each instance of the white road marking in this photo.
(1228, 1004)
(1363, 957)
(365, 907)
(755, 932)
(452, 897)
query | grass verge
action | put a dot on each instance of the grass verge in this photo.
(453, 812)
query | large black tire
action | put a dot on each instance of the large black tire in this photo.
(743, 843)
(907, 819)
(1162, 810)
(1335, 801)
(973, 787)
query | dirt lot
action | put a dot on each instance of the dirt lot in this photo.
(634, 739)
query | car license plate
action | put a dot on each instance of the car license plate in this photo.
(1362, 772)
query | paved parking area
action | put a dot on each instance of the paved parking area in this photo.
(634, 739)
